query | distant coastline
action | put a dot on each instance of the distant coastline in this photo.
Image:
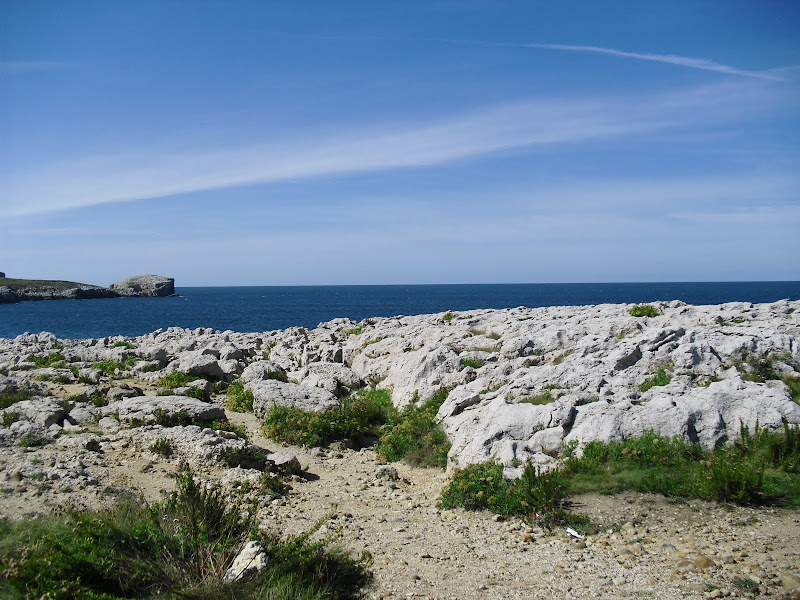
(14, 290)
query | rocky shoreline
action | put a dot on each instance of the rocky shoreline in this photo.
(81, 418)
(20, 290)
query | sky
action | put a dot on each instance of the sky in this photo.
(463, 141)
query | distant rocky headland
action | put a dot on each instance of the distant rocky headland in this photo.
(18, 290)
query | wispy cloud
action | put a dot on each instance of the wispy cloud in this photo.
(703, 64)
(153, 172)
(27, 66)
(672, 59)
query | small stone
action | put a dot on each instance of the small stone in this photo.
(703, 562)
(498, 518)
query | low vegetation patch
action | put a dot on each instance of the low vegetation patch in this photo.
(416, 436)
(126, 345)
(175, 380)
(448, 316)
(537, 496)
(161, 446)
(239, 430)
(239, 398)
(8, 398)
(759, 468)
(475, 363)
(760, 370)
(167, 419)
(544, 398)
(357, 416)
(43, 361)
(643, 310)
(355, 330)
(110, 367)
(662, 377)
(180, 547)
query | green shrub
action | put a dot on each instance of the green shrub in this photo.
(355, 417)
(474, 331)
(43, 361)
(9, 418)
(416, 436)
(176, 379)
(471, 362)
(239, 398)
(8, 398)
(537, 496)
(126, 345)
(544, 398)
(166, 419)
(239, 430)
(643, 310)
(493, 336)
(162, 446)
(277, 376)
(355, 330)
(109, 367)
(32, 441)
(448, 316)
(246, 457)
(734, 477)
(662, 377)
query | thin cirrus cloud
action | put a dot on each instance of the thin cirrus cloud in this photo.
(703, 64)
(672, 59)
(153, 172)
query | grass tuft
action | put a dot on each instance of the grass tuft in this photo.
(659, 379)
(239, 398)
(644, 310)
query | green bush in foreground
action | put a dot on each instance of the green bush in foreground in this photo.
(643, 310)
(416, 436)
(357, 416)
(178, 548)
(239, 398)
(8, 398)
(537, 496)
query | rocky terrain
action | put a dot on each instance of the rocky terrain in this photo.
(19, 290)
(82, 423)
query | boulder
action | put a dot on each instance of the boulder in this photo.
(145, 285)
(261, 370)
(270, 393)
(143, 409)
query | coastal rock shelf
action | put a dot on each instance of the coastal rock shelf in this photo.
(83, 421)
(523, 383)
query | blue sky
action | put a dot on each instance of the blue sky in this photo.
(281, 143)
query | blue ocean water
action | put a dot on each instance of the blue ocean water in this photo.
(267, 308)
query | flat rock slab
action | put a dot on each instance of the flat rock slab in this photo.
(143, 408)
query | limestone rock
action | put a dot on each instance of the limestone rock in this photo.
(270, 393)
(250, 560)
(145, 285)
(143, 409)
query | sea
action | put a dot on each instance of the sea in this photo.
(257, 309)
